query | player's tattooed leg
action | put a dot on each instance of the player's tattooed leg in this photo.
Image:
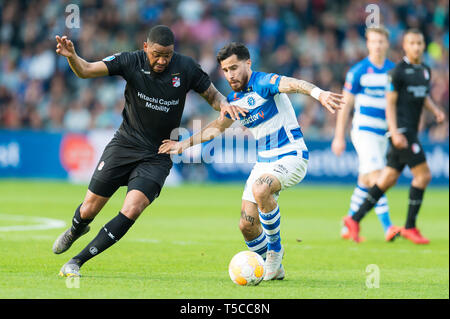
(264, 180)
(247, 218)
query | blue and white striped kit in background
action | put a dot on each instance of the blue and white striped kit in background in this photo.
(368, 83)
(281, 149)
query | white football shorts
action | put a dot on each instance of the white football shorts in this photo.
(289, 170)
(371, 149)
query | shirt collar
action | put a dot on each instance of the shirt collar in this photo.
(405, 58)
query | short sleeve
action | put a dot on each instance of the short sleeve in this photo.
(199, 80)
(267, 84)
(394, 82)
(118, 63)
(352, 82)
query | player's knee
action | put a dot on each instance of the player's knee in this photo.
(387, 181)
(391, 181)
(89, 209)
(133, 210)
(422, 180)
(261, 192)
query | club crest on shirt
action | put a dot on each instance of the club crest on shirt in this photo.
(176, 81)
(415, 148)
(426, 74)
(251, 101)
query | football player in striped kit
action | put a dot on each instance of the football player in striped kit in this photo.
(282, 154)
(365, 90)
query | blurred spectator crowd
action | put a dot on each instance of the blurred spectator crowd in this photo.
(316, 40)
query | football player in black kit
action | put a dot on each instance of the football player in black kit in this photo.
(407, 93)
(158, 79)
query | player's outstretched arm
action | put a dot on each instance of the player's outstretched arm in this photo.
(331, 101)
(212, 130)
(433, 108)
(338, 144)
(219, 103)
(79, 66)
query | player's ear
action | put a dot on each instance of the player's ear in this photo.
(249, 63)
(145, 46)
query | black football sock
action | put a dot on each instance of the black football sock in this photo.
(415, 200)
(78, 223)
(107, 236)
(372, 198)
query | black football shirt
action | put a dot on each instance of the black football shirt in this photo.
(412, 83)
(154, 102)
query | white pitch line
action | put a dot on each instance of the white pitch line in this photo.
(43, 223)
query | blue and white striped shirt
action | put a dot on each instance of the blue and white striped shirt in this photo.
(368, 83)
(271, 118)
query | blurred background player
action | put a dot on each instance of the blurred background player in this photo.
(408, 92)
(365, 90)
(282, 153)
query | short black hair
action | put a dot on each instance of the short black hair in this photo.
(162, 35)
(237, 48)
(413, 30)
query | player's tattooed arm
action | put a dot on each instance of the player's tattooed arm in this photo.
(219, 103)
(212, 130)
(213, 97)
(331, 101)
(292, 85)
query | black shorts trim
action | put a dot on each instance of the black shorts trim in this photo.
(149, 187)
(412, 156)
(105, 189)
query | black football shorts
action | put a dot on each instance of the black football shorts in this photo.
(124, 164)
(412, 156)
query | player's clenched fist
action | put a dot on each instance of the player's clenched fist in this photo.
(331, 101)
(65, 47)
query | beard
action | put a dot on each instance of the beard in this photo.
(241, 84)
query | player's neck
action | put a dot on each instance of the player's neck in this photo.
(411, 60)
(378, 61)
(249, 77)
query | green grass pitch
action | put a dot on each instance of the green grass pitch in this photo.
(181, 246)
